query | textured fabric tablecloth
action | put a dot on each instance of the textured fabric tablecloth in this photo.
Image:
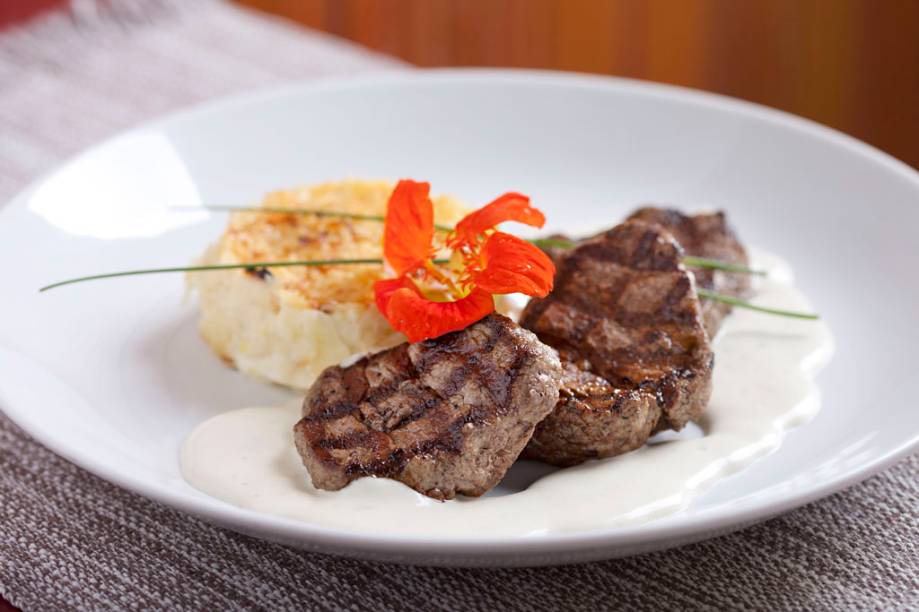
(69, 540)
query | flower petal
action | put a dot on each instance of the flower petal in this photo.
(513, 265)
(383, 290)
(409, 226)
(419, 318)
(509, 207)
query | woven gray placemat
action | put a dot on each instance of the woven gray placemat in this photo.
(69, 540)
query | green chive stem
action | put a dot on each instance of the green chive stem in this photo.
(714, 264)
(240, 266)
(557, 243)
(703, 293)
(733, 301)
(697, 262)
(297, 211)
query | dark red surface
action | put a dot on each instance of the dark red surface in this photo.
(12, 12)
(5, 606)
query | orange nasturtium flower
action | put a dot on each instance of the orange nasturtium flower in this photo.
(425, 300)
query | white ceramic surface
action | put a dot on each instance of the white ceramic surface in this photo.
(112, 375)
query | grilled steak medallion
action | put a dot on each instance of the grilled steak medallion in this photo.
(592, 419)
(445, 416)
(701, 235)
(705, 235)
(624, 310)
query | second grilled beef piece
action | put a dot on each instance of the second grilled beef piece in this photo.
(701, 235)
(592, 419)
(446, 416)
(705, 235)
(625, 317)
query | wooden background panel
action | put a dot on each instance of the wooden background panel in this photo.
(851, 64)
(16, 11)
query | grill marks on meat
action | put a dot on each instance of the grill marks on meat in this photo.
(702, 235)
(446, 416)
(449, 416)
(705, 235)
(625, 319)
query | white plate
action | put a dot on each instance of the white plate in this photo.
(112, 375)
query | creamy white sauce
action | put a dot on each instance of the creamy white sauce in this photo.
(762, 387)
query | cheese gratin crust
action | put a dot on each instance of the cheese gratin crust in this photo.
(288, 324)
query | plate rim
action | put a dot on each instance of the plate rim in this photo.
(451, 550)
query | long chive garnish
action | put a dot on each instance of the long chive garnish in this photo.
(733, 301)
(297, 211)
(540, 242)
(550, 243)
(255, 265)
(559, 243)
(714, 264)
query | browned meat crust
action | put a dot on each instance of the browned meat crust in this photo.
(446, 416)
(624, 310)
(705, 235)
(592, 419)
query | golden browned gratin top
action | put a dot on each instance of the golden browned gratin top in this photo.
(282, 236)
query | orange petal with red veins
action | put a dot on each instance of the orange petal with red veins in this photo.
(513, 265)
(509, 207)
(409, 226)
(419, 318)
